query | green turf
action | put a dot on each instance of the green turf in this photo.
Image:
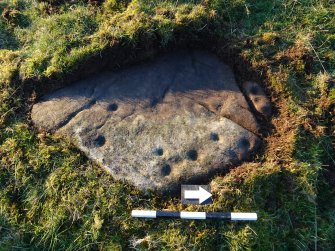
(53, 198)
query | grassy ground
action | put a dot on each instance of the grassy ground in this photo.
(53, 198)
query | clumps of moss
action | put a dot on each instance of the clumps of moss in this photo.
(116, 5)
(13, 14)
(73, 2)
(9, 90)
(144, 19)
(10, 15)
(9, 61)
(8, 18)
(269, 37)
(298, 56)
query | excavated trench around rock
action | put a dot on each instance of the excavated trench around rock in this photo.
(186, 104)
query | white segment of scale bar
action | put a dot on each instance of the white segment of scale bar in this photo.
(143, 214)
(243, 216)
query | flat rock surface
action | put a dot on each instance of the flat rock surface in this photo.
(180, 118)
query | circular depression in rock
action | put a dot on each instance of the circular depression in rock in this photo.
(112, 107)
(192, 155)
(99, 141)
(243, 143)
(166, 170)
(159, 151)
(214, 136)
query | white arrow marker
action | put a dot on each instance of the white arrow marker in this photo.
(201, 194)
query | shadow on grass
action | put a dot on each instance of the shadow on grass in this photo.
(12, 17)
(7, 39)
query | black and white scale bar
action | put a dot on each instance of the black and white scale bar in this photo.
(193, 215)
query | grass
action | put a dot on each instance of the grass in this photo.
(53, 198)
